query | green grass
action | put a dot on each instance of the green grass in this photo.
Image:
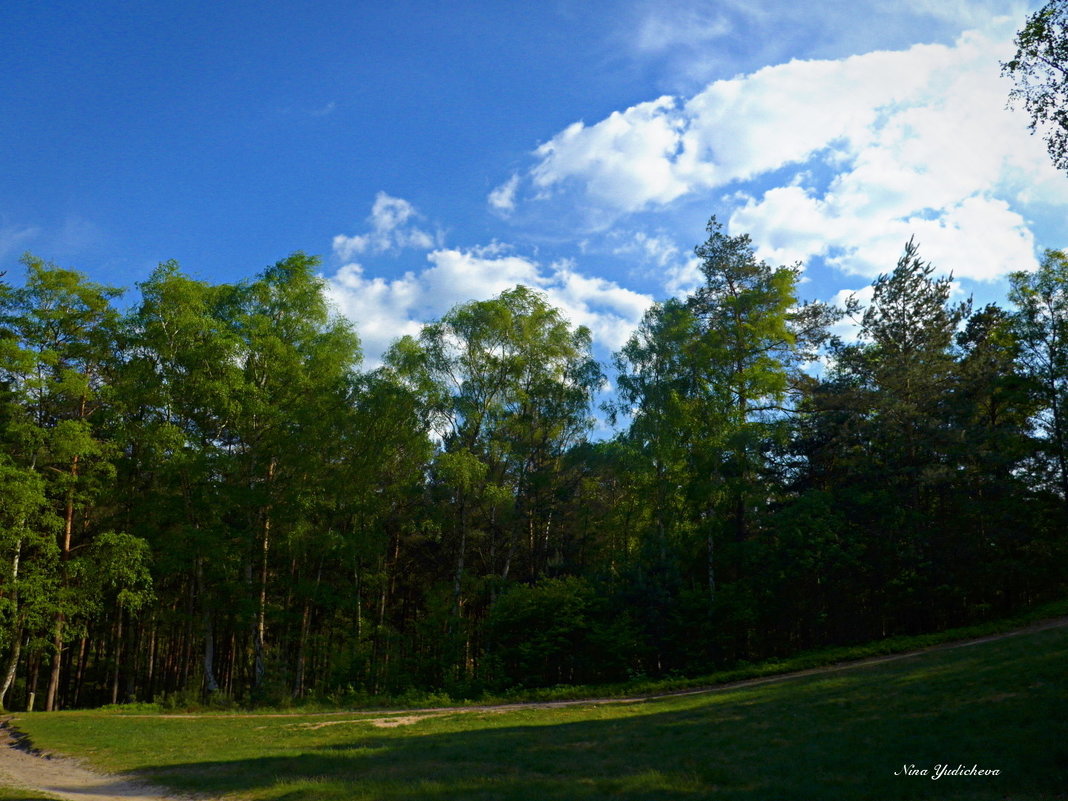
(18, 794)
(1001, 705)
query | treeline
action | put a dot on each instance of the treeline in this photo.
(204, 495)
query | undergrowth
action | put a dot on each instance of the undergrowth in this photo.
(192, 701)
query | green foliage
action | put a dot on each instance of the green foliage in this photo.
(204, 500)
(121, 567)
(28, 551)
(505, 385)
(548, 633)
(1039, 70)
(1041, 328)
(708, 383)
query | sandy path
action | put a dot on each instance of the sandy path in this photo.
(67, 779)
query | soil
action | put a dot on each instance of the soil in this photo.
(64, 778)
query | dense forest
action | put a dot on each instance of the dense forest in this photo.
(203, 495)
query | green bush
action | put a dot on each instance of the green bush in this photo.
(558, 631)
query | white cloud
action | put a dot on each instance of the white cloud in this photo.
(971, 13)
(679, 272)
(384, 309)
(694, 41)
(15, 237)
(682, 279)
(909, 142)
(610, 311)
(390, 230)
(503, 197)
(655, 249)
(847, 328)
(669, 27)
(625, 161)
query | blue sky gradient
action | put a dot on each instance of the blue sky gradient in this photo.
(433, 153)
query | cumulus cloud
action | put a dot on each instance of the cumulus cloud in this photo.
(625, 162)
(385, 309)
(908, 142)
(503, 197)
(391, 230)
(734, 130)
(683, 279)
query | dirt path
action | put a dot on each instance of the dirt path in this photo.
(66, 779)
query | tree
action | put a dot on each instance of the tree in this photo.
(298, 363)
(180, 388)
(886, 433)
(30, 553)
(379, 506)
(506, 385)
(754, 337)
(1041, 299)
(65, 329)
(1040, 71)
(60, 355)
(710, 380)
(671, 417)
(238, 405)
(992, 526)
(710, 383)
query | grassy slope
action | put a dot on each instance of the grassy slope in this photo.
(843, 735)
(18, 794)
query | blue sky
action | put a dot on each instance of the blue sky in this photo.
(434, 153)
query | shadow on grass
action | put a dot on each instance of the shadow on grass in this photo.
(840, 736)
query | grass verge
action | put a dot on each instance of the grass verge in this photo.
(19, 794)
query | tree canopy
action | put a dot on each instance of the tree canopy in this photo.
(1039, 70)
(205, 498)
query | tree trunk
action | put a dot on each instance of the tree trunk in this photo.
(259, 669)
(458, 579)
(359, 601)
(305, 619)
(150, 671)
(57, 664)
(83, 656)
(118, 660)
(16, 645)
(259, 635)
(12, 667)
(64, 555)
(210, 684)
(31, 685)
(711, 564)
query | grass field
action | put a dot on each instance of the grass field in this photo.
(17, 794)
(1000, 705)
